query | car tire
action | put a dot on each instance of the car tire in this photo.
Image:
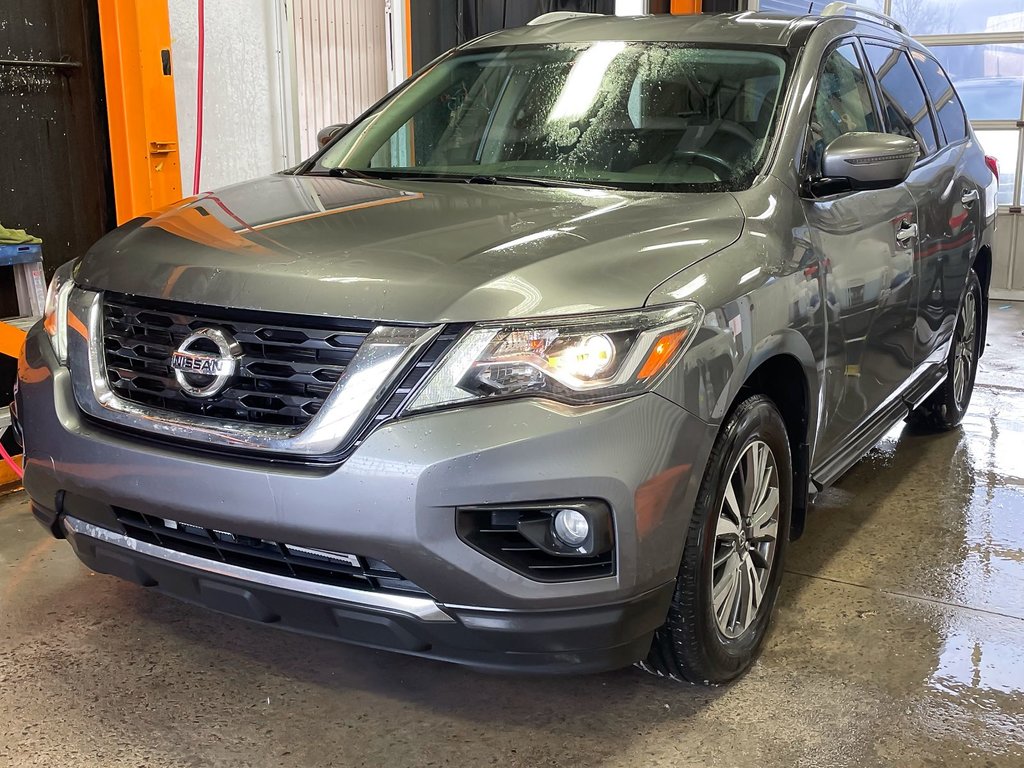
(713, 631)
(945, 407)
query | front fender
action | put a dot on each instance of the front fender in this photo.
(719, 365)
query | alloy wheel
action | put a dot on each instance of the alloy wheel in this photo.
(745, 539)
(964, 347)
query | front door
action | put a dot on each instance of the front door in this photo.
(865, 248)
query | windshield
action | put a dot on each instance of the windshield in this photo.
(629, 115)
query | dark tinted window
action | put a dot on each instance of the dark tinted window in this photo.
(842, 103)
(903, 99)
(944, 99)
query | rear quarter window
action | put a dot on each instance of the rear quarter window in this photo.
(903, 99)
(944, 97)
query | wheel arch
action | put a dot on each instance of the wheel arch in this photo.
(783, 369)
(982, 266)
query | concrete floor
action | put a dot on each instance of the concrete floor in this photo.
(899, 641)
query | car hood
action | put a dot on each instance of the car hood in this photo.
(412, 251)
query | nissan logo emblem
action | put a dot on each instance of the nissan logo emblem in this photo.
(204, 362)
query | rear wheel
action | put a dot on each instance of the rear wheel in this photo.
(945, 408)
(732, 560)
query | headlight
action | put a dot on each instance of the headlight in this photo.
(55, 312)
(574, 360)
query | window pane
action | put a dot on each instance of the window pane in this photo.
(1003, 145)
(989, 78)
(902, 98)
(614, 112)
(799, 7)
(842, 103)
(951, 114)
(944, 17)
(452, 123)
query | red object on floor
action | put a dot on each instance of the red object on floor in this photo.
(11, 462)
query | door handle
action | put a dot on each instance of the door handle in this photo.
(969, 197)
(905, 233)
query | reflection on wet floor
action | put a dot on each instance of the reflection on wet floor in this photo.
(980, 670)
(938, 521)
(994, 435)
(975, 689)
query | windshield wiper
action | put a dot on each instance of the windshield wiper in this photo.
(460, 178)
(352, 173)
(533, 181)
(388, 173)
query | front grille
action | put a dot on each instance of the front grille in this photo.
(306, 563)
(288, 368)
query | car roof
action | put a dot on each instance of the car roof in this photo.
(745, 28)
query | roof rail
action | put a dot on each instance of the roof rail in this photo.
(550, 18)
(842, 9)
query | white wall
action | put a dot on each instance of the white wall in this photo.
(630, 7)
(341, 59)
(249, 124)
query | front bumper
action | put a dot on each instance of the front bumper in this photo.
(583, 640)
(394, 499)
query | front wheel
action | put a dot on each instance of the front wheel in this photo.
(945, 408)
(732, 560)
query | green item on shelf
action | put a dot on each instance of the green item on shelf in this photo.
(16, 236)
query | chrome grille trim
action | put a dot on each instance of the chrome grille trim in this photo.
(286, 365)
(374, 370)
(421, 608)
(338, 569)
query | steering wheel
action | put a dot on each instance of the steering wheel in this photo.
(721, 168)
(737, 130)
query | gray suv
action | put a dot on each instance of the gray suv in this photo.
(538, 364)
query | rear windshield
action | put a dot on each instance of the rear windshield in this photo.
(622, 114)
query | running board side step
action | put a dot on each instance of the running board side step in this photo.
(898, 408)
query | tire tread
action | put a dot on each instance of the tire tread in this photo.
(940, 412)
(676, 651)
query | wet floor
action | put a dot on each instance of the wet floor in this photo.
(899, 642)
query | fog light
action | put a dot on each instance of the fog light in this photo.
(571, 527)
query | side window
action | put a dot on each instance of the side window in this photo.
(903, 99)
(842, 103)
(944, 99)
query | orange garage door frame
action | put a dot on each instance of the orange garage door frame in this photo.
(143, 124)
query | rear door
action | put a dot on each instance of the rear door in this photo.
(937, 186)
(944, 269)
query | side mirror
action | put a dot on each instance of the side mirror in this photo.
(324, 136)
(860, 161)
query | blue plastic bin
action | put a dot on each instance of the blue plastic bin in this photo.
(25, 253)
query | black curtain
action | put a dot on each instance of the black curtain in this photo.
(482, 16)
(722, 6)
(438, 25)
